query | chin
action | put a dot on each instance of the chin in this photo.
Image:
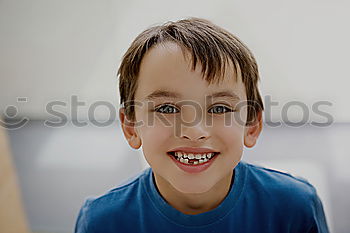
(193, 188)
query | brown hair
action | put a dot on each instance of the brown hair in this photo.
(208, 43)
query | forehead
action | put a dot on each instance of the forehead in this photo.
(165, 68)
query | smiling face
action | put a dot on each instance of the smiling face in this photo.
(174, 109)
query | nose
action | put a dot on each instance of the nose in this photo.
(193, 136)
(194, 131)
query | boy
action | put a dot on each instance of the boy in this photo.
(189, 96)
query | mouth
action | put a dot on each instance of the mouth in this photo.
(193, 159)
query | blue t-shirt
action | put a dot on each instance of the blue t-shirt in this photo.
(260, 200)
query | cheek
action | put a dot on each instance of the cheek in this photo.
(231, 136)
(157, 128)
(156, 141)
(156, 138)
(229, 120)
(155, 135)
(229, 131)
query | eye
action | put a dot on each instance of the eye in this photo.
(167, 109)
(219, 109)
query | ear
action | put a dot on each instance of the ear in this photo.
(129, 130)
(252, 131)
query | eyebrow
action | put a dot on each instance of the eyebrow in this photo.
(225, 94)
(162, 94)
(173, 95)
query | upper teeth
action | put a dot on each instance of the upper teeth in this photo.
(193, 156)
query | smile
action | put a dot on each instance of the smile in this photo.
(193, 159)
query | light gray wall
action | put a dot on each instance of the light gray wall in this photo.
(58, 168)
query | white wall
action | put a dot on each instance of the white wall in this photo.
(51, 50)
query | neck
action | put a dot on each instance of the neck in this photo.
(194, 203)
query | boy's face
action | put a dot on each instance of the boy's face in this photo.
(189, 120)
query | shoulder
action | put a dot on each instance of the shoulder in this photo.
(114, 204)
(278, 181)
(120, 195)
(293, 198)
(281, 189)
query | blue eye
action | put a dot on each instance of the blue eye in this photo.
(167, 109)
(220, 109)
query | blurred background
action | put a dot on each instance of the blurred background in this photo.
(58, 60)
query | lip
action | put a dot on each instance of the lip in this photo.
(193, 150)
(190, 168)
